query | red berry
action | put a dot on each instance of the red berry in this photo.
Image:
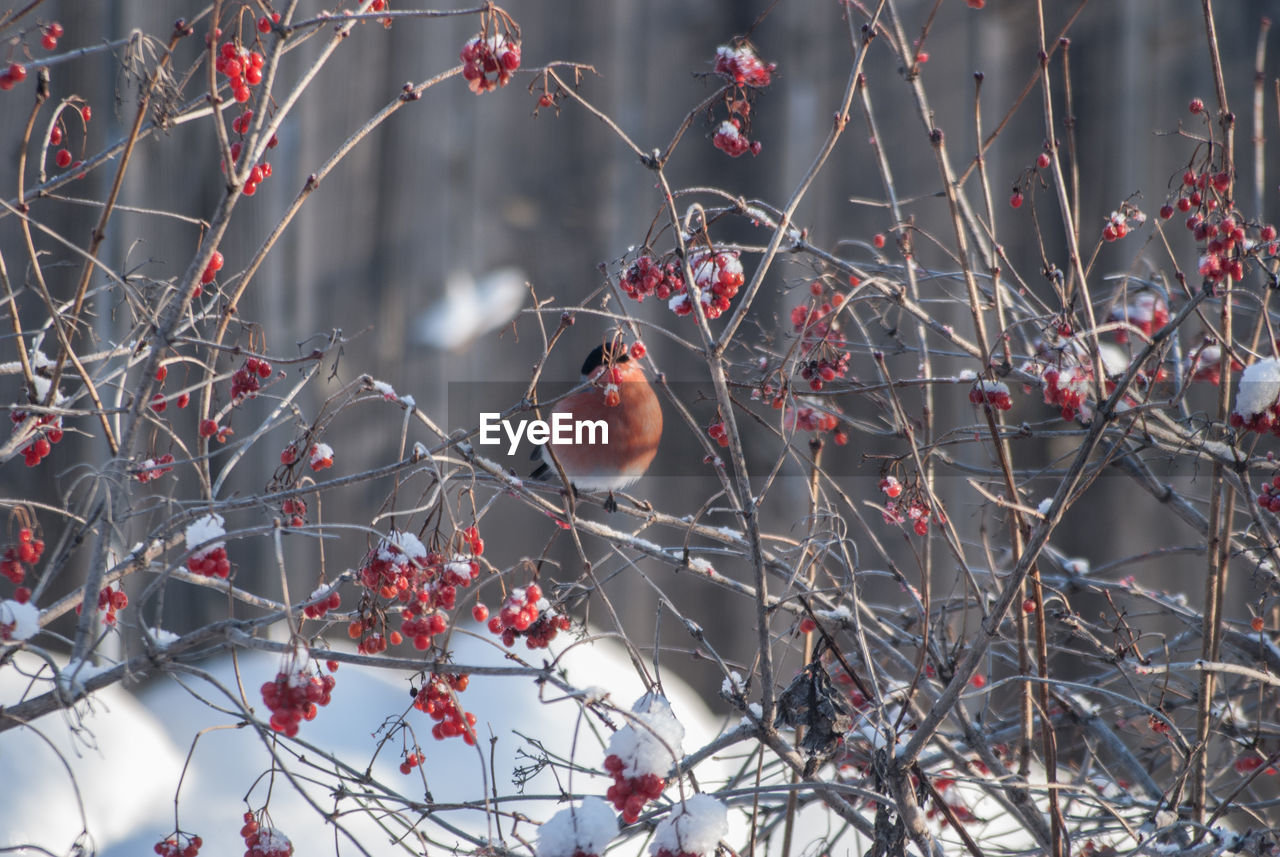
(480, 613)
(18, 72)
(1196, 106)
(878, 240)
(49, 41)
(86, 113)
(208, 428)
(1015, 199)
(55, 30)
(1166, 211)
(1042, 161)
(264, 24)
(62, 158)
(1257, 624)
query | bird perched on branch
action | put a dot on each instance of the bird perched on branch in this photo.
(621, 399)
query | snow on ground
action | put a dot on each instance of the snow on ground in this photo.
(128, 784)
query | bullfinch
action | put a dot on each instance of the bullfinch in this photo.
(620, 397)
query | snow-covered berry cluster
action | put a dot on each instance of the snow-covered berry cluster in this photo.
(487, 63)
(400, 569)
(648, 276)
(19, 620)
(1120, 223)
(1205, 363)
(1067, 388)
(320, 606)
(246, 382)
(1256, 406)
(1147, 313)
(993, 393)
(321, 456)
(741, 64)
(584, 830)
(438, 699)
(693, 829)
(210, 557)
(641, 753)
(718, 275)
(730, 139)
(295, 695)
(263, 840)
(154, 468)
(527, 614)
(179, 844)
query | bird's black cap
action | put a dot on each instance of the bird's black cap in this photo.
(602, 354)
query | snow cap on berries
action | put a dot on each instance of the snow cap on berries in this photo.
(18, 621)
(1259, 387)
(204, 530)
(694, 827)
(650, 742)
(585, 829)
(397, 545)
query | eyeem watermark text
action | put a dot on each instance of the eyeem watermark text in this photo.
(563, 430)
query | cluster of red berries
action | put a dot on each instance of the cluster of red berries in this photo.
(210, 428)
(294, 696)
(718, 275)
(914, 508)
(294, 510)
(993, 393)
(629, 794)
(438, 700)
(1147, 312)
(487, 63)
(730, 139)
(647, 276)
(1257, 408)
(49, 432)
(26, 552)
(823, 353)
(1250, 763)
(740, 63)
(1269, 496)
(1067, 387)
(110, 601)
(426, 583)
(317, 609)
(946, 788)
(262, 841)
(12, 76)
(411, 761)
(1119, 223)
(210, 271)
(179, 845)
(245, 382)
(154, 468)
(211, 562)
(1205, 364)
(242, 68)
(809, 418)
(521, 616)
(717, 432)
(321, 456)
(1226, 246)
(50, 35)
